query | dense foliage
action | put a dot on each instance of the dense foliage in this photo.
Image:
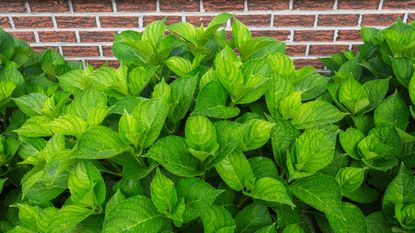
(197, 131)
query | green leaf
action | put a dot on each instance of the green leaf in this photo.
(6, 48)
(171, 152)
(376, 223)
(405, 215)
(216, 23)
(198, 197)
(309, 83)
(403, 69)
(316, 113)
(163, 193)
(86, 102)
(257, 134)
(400, 190)
(179, 65)
(392, 111)
(289, 105)
(240, 33)
(217, 219)
(211, 102)
(33, 104)
(135, 214)
(350, 178)
(37, 126)
(86, 185)
(349, 140)
(129, 129)
(319, 191)
(2, 181)
(353, 95)
(235, 171)
(263, 167)
(201, 137)
(376, 91)
(130, 49)
(268, 229)
(252, 218)
(352, 220)
(139, 78)
(280, 87)
(99, 143)
(116, 199)
(283, 136)
(186, 31)
(154, 32)
(293, 228)
(75, 81)
(312, 151)
(272, 191)
(182, 92)
(68, 125)
(50, 60)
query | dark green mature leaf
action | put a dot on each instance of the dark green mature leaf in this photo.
(171, 152)
(235, 171)
(251, 218)
(392, 111)
(350, 220)
(217, 219)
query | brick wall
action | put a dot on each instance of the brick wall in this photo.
(83, 29)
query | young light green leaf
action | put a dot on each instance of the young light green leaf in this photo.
(139, 77)
(182, 92)
(376, 91)
(171, 152)
(353, 95)
(163, 193)
(240, 33)
(350, 178)
(75, 81)
(179, 65)
(154, 32)
(235, 171)
(201, 137)
(37, 126)
(129, 129)
(99, 143)
(84, 103)
(68, 125)
(257, 134)
(289, 105)
(349, 140)
(185, 30)
(316, 113)
(34, 104)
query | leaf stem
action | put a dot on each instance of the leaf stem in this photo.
(112, 173)
(241, 201)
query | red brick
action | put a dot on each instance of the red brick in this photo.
(26, 36)
(33, 22)
(310, 35)
(179, 5)
(355, 47)
(96, 36)
(4, 22)
(313, 4)
(314, 62)
(57, 36)
(399, 4)
(41, 48)
(325, 50)
(136, 5)
(255, 20)
(281, 35)
(80, 51)
(169, 19)
(118, 21)
(411, 17)
(296, 50)
(294, 20)
(223, 5)
(266, 5)
(12, 6)
(92, 5)
(76, 21)
(380, 19)
(199, 20)
(358, 4)
(98, 63)
(338, 20)
(348, 35)
(49, 5)
(107, 51)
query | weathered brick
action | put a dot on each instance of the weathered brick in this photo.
(118, 21)
(97, 36)
(92, 5)
(223, 5)
(76, 21)
(255, 20)
(4, 22)
(311, 35)
(313, 4)
(294, 20)
(338, 20)
(266, 5)
(281, 35)
(33, 22)
(199, 20)
(26, 36)
(169, 19)
(98, 63)
(380, 19)
(348, 35)
(296, 50)
(179, 5)
(325, 50)
(57, 36)
(12, 6)
(358, 4)
(41, 48)
(411, 17)
(399, 4)
(80, 51)
(49, 5)
(107, 51)
(136, 5)
(314, 62)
